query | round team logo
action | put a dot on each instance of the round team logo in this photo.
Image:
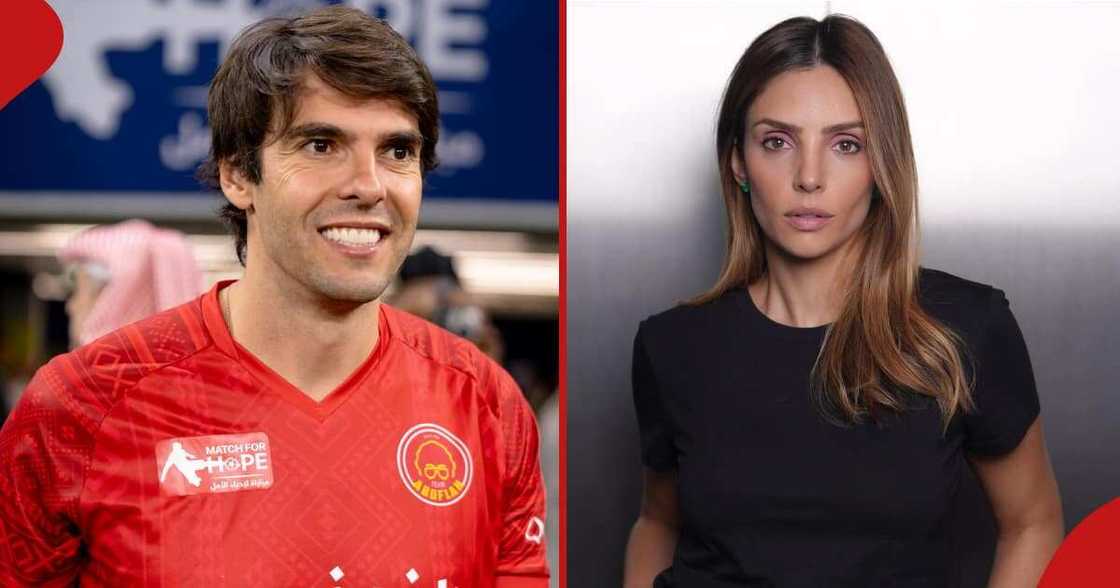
(434, 464)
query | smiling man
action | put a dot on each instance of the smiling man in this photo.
(287, 428)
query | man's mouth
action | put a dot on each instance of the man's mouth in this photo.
(356, 237)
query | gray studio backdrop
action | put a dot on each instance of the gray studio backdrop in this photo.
(1016, 132)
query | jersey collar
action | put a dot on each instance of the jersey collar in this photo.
(272, 381)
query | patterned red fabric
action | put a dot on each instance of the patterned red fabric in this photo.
(361, 483)
(151, 269)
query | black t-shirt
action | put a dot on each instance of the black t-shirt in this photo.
(773, 494)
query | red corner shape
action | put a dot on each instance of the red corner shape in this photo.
(30, 41)
(1088, 555)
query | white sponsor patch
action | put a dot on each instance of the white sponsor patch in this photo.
(213, 464)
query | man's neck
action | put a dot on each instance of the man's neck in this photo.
(313, 344)
(803, 293)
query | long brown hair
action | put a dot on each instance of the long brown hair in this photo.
(882, 339)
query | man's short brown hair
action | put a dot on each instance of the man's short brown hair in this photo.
(256, 90)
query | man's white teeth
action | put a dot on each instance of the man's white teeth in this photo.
(351, 236)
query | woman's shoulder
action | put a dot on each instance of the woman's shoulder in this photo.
(942, 284)
(958, 301)
(687, 318)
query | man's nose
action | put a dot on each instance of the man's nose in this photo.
(365, 181)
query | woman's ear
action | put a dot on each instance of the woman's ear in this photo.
(236, 187)
(738, 166)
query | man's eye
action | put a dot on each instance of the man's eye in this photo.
(319, 146)
(402, 153)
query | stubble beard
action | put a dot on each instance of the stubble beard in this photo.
(352, 292)
(358, 287)
(354, 287)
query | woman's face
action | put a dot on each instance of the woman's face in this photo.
(803, 154)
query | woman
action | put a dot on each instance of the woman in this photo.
(807, 421)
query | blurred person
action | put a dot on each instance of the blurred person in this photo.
(528, 376)
(287, 428)
(808, 420)
(125, 272)
(430, 288)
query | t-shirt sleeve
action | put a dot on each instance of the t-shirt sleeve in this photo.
(521, 554)
(1004, 387)
(43, 449)
(658, 451)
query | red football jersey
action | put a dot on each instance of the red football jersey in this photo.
(166, 454)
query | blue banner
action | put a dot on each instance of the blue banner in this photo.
(123, 110)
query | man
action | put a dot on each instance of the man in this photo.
(429, 288)
(124, 272)
(334, 440)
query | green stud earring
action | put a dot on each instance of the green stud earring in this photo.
(745, 186)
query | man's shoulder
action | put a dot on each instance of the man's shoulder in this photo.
(150, 343)
(439, 345)
(449, 351)
(70, 396)
(110, 365)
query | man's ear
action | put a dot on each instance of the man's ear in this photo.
(236, 187)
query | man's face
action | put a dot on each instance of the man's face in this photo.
(80, 303)
(336, 208)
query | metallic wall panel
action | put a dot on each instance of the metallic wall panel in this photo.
(1016, 150)
(1063, 285)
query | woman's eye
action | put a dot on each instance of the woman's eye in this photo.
(774, 143)
(848, 147)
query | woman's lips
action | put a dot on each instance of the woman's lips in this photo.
(808, 222)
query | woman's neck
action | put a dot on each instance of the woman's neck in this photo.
(802, 293)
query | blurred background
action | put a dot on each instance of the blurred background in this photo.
(1013, 112)
(118, 125)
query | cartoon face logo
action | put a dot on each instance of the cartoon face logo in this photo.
(434, 464)
(438, 463)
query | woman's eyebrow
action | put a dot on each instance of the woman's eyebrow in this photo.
(855, 124)
(792, 128)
